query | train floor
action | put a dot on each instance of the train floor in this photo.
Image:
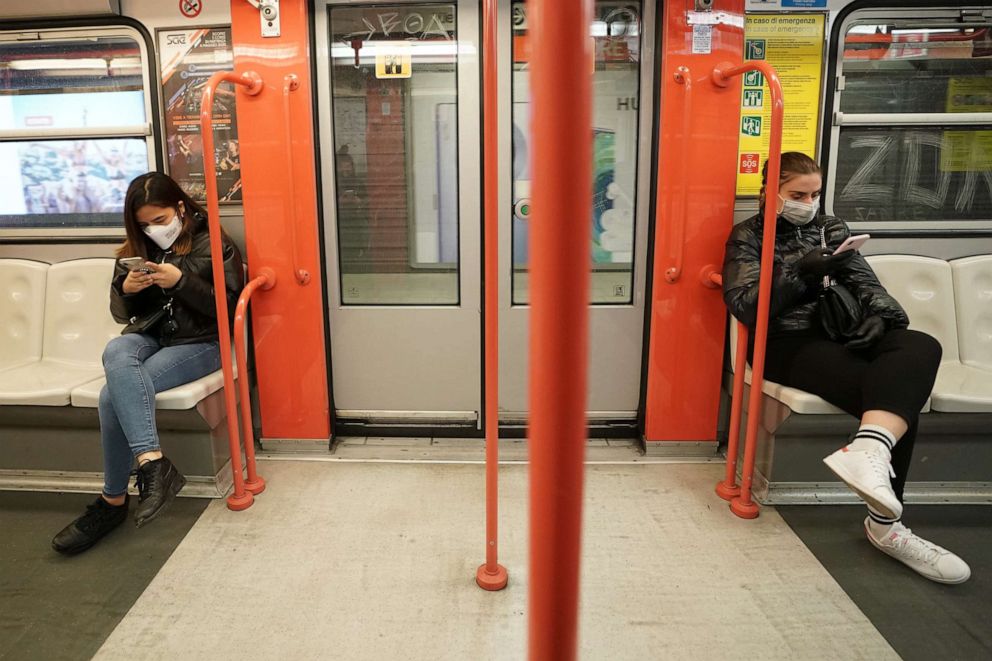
(376, 560)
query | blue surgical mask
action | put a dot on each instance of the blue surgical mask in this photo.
(798, 213)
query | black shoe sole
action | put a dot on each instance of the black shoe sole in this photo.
(177, 486)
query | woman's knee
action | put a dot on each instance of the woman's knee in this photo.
(120, 349)
(925, 346)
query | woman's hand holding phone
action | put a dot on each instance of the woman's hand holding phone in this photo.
(165, 276)
(136, 281)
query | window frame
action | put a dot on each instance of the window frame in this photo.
(836, 120)
(147, 131)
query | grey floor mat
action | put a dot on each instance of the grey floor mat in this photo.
(55, 607)
(919, 618)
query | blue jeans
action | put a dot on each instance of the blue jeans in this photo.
(137, 367)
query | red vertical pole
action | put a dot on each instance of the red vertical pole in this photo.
(728, 488)
(491, 575)
(559, 272)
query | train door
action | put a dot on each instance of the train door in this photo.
(623, 34)
(398, 112)
(400, 142)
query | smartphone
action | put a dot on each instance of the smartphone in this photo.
(135, 264)
(852, 243)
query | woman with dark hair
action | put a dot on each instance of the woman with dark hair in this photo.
(163, 290)
(882, 372)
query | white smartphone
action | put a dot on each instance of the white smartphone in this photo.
(852, 243)
(135, 264)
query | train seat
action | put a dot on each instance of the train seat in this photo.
(72, 338)
(798, 401)
(973, 306)
(798, 429)
(925, 287)
(183, 397)
(56, 323)
(22, 309)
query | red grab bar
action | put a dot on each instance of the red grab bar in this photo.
(672, 274)
(559, 318)
(265, 280)
(491, 575)
(741, 504)
(290, 83)
(252, 82)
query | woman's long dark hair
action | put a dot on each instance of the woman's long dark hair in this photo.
(158, 190)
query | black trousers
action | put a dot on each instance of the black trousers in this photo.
(894, 375)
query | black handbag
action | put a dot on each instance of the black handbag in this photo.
(839, 311)
(148, 322)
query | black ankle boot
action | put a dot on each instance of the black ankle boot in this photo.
(158, 483)
(100, 518)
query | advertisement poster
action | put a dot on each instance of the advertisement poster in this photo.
(793, 45)
(189, 58)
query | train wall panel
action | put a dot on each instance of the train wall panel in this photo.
(279, 197)
(697, 165)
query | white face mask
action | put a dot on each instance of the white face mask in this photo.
(164, 235)
(798, 213)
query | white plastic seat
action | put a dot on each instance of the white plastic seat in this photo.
(798, 400)
(77, 327)
(924, 286)
(962, 389)
(973, 308)
(22, 311)
(181, 397)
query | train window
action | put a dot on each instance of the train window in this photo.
(395, 114)
(74, 129)
(616, 94)
(912, 133)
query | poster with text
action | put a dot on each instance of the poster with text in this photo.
(793, 45)
(188, 59)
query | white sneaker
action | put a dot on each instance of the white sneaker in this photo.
(867, 472)
(923, 557)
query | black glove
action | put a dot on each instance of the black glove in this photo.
(869, 332)
(820, 262)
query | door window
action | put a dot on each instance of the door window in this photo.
(616, 32)
(394, 85)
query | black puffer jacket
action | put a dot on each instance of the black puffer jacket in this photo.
(192, 298)
(794, 297)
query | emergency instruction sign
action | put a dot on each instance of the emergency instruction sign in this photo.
(793, 45)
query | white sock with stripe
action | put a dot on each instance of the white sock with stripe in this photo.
(878, 524)
(871, 437)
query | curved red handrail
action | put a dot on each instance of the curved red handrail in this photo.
(742, 505)
(265, 280)
(252, 83)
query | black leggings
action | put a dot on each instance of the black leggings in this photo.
(895, 375)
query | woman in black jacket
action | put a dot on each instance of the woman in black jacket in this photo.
(882, 374)
(163, 290)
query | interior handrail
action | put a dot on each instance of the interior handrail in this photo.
(252, 82)
(741, 504)
(290, 83)
(265, 280)
(683, 77)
